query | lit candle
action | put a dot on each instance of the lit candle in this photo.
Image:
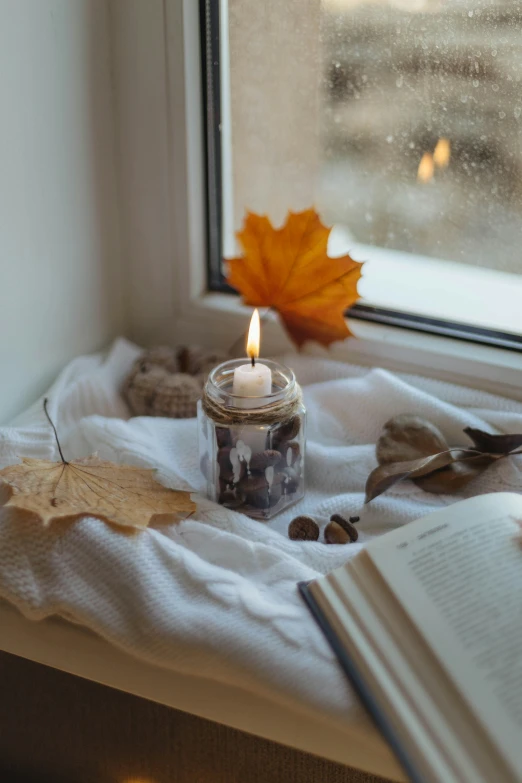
(252, 380)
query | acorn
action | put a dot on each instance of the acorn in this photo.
(335, 534)
(303, 528)
(346, 526)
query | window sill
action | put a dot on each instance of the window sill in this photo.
(217, 320)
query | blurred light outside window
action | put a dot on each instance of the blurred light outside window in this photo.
(401, 121)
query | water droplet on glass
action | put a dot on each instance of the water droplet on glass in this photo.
(517, 111)
(400, 81)
(494, 87)
(389, 139)
(493, 52)
(476, 82)
(470, 13)
(368, 217)
(502, 114)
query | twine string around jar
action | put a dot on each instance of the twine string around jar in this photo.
(279, 411)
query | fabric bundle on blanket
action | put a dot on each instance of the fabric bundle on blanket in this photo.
(216, 595)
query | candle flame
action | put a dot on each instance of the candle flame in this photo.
(442, 153)
(254, 335)
(426, 168)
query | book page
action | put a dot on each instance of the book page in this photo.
(458, 574)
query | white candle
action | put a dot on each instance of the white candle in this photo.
(254, 379)
(252, 383)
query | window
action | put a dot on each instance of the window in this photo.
(401, 121)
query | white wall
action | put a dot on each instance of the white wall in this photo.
(142, 132)
(59, 246)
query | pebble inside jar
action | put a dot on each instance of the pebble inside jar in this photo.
(252, 434)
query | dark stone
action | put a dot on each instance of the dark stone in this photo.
(223, 437)
(287, 431)
(290, 480)
(231, 499)
(265, 459)
(257, 492)
(225, 466)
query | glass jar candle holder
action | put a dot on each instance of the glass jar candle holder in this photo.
(252, 462)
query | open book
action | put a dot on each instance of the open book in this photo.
(427, 623)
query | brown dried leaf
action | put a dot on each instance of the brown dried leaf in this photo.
(455, 476)
(117, 494)
(385, 476)
(493, 444)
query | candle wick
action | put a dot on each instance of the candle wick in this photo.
(253, 361)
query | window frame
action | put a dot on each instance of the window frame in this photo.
(166, 268)
(362, 311)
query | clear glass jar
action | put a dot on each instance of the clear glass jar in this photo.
(257, 469)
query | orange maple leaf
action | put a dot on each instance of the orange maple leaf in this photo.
(289, 270)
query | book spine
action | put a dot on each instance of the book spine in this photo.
(360, 686)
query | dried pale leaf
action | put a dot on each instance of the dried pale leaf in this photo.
(454, 477)
(288, 269)
(117, 494)
(385, 476)
(407, 437)
(494, 444)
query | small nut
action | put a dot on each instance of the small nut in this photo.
(303, 529)
(335, 534)
(346, 526)
(264, 459)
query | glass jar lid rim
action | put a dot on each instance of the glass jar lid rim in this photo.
(281, 370)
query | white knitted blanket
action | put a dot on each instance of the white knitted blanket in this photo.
(216, 595)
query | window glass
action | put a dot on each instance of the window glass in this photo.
(401, 121)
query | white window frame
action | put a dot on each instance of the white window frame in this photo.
(166, 268)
